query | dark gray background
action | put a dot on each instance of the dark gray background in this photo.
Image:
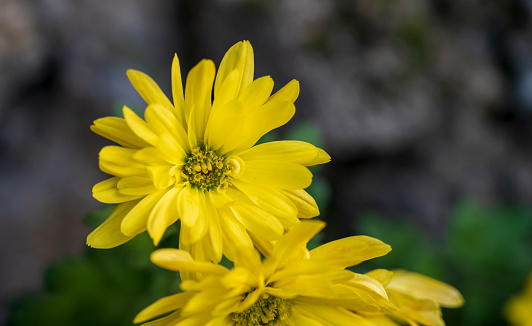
(421, 102)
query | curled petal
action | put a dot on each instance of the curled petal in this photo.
(421, 286)
(306, 205)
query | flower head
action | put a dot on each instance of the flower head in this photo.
(195, 160)
(292, 286)
(418, 298)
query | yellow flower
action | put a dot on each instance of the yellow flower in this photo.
(292, 286)
(195, 160)
(418, 298)
(518, 310)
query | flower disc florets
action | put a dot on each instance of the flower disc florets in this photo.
(205, 169)
(271, 311)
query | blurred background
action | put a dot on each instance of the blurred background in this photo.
(424, 106)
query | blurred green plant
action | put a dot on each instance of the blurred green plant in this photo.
(99, 287)
(486, 254)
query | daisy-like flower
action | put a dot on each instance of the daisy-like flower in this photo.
(292, 286)
(418, 299)
(518, 309)
(195, 160)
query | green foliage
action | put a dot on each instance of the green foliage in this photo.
(410, 248)
(100, 287)
(486, 254)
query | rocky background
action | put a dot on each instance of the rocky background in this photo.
(421, 103)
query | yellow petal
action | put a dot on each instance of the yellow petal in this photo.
(296, 239)
(139, 126)
(198, 93)
(148, 89)
(303, 286)
(306, 205)
(239, 57)
(192, 235)
(289, 92)
(171, 319)
(119, 161)
(171, 150)
(234, 233)
(421, 286)
(222, 124)
(227, 306)
(383, 276)
(271, 201)
(163, 121)
(108, 235)
(250, 300)
(117, 130)
(179, 260)
(219, 199)
(119, 155)
(350, 251)
(257, 93)
(248, 258)
(177, 91)
(149, 156)
(135, 221)
(220, 321)
(364, 282)
(107, 192)
(214, 236)
(294, 151)
(322, 158)
(209, 294)
(228, 91)
(416, 311)
(162, 175)
(135, 186)
(191, 125)
(193, 320)
(188, 205)
(277, 174)
(163, 306)
(271, 115)
(299, 268)
(163, 215)
(265, 247)
(301, 320)
(382, 320)
(258, 221)
(329, 315)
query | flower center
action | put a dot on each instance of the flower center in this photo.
(272, 311)
(206, 169)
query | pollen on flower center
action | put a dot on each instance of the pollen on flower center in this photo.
(271, 311)
(206, 169)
